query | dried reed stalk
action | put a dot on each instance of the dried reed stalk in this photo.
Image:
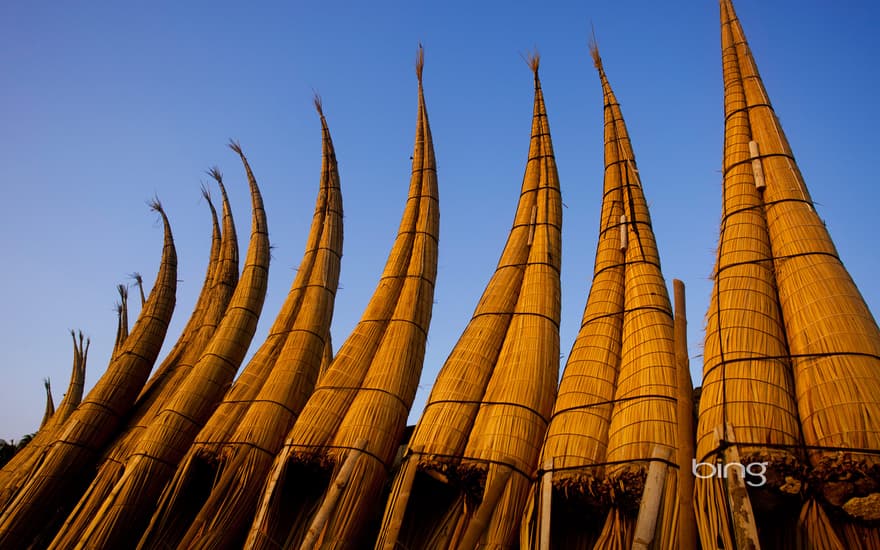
(217, 517)
(366, 392)
(119, 520)
(57, 477)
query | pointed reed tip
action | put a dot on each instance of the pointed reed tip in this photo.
(206, 193)
(236, 146)
(319, 104)
(594, 52)
(533, 60)
(47, 384)
(156, 205)
(420, 62)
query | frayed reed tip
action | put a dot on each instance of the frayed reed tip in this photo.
(215, 173)
(420, 62)
(319, 104)
(206, 194)
(156, 205)
(594, 52)
(236, 146)
(534, 61)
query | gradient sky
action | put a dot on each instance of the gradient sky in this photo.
(105, 104)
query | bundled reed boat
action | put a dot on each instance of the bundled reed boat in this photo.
(473, 453)
(791, 390)
(324, 484)
(211, 499)
(615, 418)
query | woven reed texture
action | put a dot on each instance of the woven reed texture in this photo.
(119, 520)
(220, 514)
(366, 392)
(491, 399)
(214, 297)
(76, 443)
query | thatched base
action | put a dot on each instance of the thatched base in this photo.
(583, 488)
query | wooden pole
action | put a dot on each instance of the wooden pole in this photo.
(546, 505)
(687, 521)
(332, 497)
(481, 517)
(649, 508)
(745, 529)
(388, 539)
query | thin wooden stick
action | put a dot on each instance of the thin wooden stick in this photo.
(687, 523)
(744, 527)
(332, 496)
(546, 504)
(649, 510)
(408, 476)
(481, 517)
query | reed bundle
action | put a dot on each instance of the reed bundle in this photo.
(209, 309)
(796, 375)
(358, 410)
(76, 443)
(474, 450)
(217, 515)
(118, 520)
(617, 398)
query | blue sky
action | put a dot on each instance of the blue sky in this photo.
(104, 105)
